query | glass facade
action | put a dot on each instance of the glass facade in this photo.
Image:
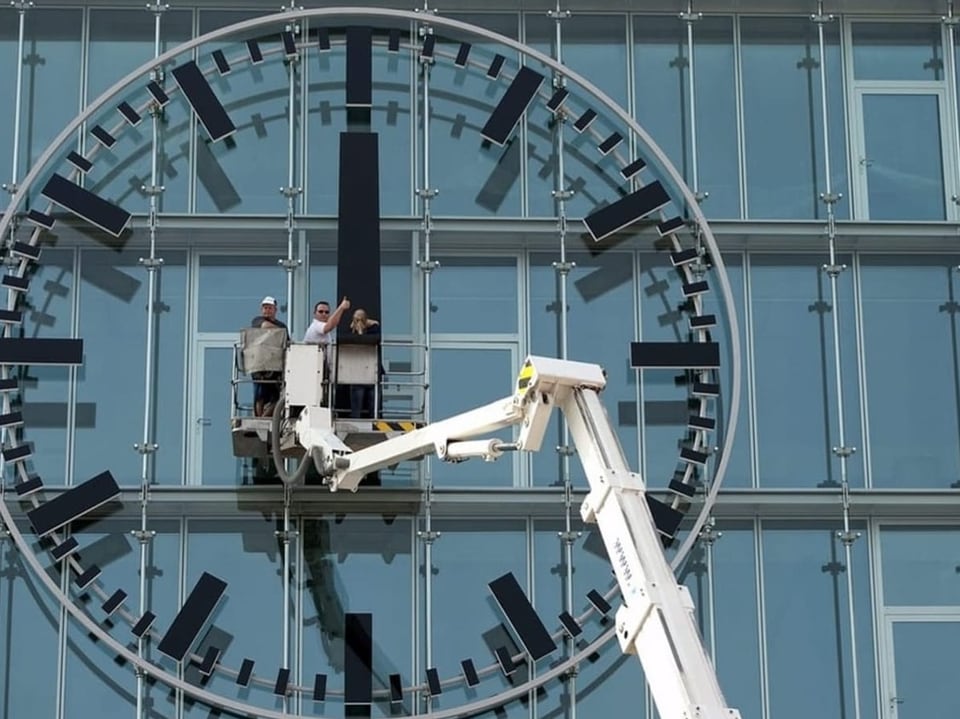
(827, 163)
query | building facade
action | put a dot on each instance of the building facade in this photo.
(823, 144)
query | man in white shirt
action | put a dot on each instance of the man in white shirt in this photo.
(318, 333)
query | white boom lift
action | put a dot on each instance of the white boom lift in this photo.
(655, 621)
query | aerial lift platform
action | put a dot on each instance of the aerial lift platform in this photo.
(655, 621)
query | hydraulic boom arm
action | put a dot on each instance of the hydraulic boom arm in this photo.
(656, 620)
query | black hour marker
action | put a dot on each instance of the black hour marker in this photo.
(191, 618)
(86, 205)
(11, 419)
(469, 672)
(17, 454)
(41, 219)
(704, 423)
(608, 145)
(625, 211)
(65, 548)
(73, 504)
(253, 49)
(665, 518)
(462, 55)
(684, 257)
(159, 96)
(80, 162)
(283, 681)
(705, 389)
(86, 577)
(25, 489)
(512, 105)
(22, 249)
(692, 456)
(199, 94)
(129, 114)
(522, 616)
(209, 661)
(691, 289)
(289, 44)
(556, 101)
(143, 624)
(11, 317)
(359, 67)
(393, 40)
(220, 60)
(632, 169)
(103, 137)
(703, 322)
(38, 350)
(493, 72)
(320, 687)
(675, 355)
(433, 682)
(585, 120)
(358, 657)
(429, 43)
(114, 602)
(323, 43)
(682, 488)
(246, 670)
(570, 625)
(396, 689)
(598, 602)
(505, 661)
(21, 284)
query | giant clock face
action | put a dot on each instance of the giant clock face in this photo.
(190, 648)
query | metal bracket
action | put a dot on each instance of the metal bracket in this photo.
(143, 535)
(21, 5)
(950, 20)
(559, 14)
(700, 196)
(565, 450)
(151, 263)
(427, 194)
(691, 16)
(821, 19)
(833, 270)
(146, 448)
(158, 7)
(429, 537)
(831, 198)
(562, 194)
(152, 189)
(559, 82)
(708, 533)
(848, 537)
(287, 535)
(569, 537)
(564, 268)
(289, 264)
(844, 452)
(290, 192)
(10, 187)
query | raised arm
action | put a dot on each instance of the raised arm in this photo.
(336, 315)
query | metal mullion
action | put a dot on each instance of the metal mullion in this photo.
(751, 382)
(862, 370)
(761, 619)
(876, 593)
(741, 120)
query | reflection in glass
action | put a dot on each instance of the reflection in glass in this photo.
(475, 177)
(920, 566)
(904, 170)
(795, 371)
(472, 295)
(600, 327)
(910, 337)
(110, 398)
(248, 621)
(359, 565)
(922, 656)
(661, 71)
(807, 626)
(897, 51)
(783, 120)
(94, 678)
(231, 287)
(466, 623)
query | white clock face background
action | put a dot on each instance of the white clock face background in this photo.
(374, 560)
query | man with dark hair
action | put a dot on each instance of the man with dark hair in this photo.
(324, 323)
(266, 385)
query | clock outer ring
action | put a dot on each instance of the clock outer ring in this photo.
(649, 145)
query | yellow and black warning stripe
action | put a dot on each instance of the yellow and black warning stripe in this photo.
(382, 425)
(523, 379)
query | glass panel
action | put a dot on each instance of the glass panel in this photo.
(465, 622)
(601, 326)
(28, 634)
(51, 80)
(910, 331)
(920, 566)
(9, 32)
(94, 678)
(923, 655)
(783, 120)
(664, 393)
(795, 372)
(389, 117)
(595, 47)
(218, 466)
(662, 105)
(904, 170)
(475, 177)
(359, 564)
(897, 51)
(611, 680)
(231, 287)
(120, 41)
(807, 626)
(256, 98)
(45, 391)
(110, 399)
(474, 295)
(249, 620)
(465, 378)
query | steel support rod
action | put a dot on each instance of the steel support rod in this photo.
(950, 21)
(833, 270)
(690, 17)
(22, 8)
